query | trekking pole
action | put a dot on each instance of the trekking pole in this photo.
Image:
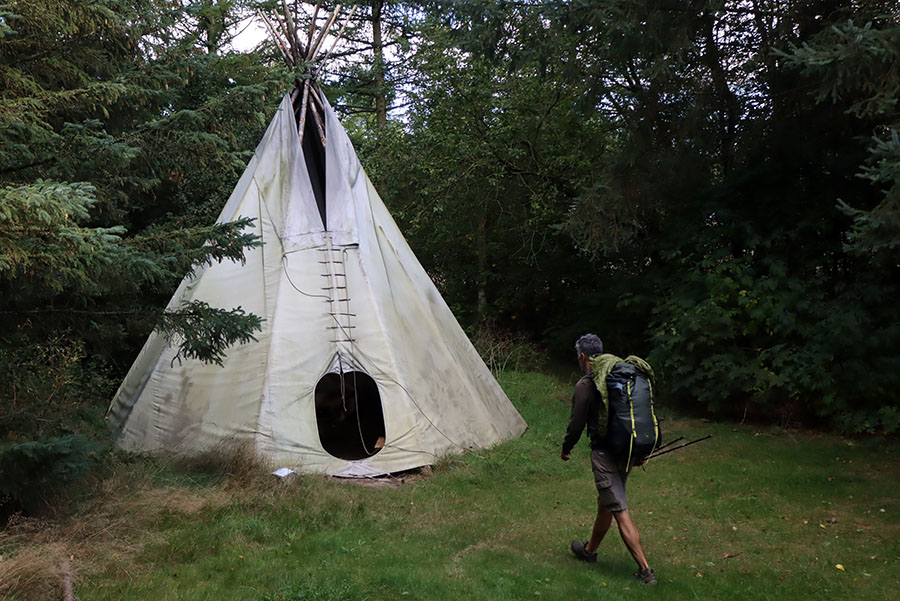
(671, 442)
(687, 444)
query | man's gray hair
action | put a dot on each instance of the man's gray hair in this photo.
(589, 344)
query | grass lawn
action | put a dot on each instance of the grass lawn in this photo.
(754, 513)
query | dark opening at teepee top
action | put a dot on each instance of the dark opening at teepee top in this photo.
(309, 109)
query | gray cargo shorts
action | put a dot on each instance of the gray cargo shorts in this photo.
(610, 481)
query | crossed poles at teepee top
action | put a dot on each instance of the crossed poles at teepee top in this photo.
(294, 53)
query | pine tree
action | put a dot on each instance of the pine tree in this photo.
(123, 127)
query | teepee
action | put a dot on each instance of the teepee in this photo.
(361, 368)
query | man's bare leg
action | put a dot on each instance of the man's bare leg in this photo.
(630, 537)
(601, 526)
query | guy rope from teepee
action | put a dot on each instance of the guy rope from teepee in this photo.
(287, 39)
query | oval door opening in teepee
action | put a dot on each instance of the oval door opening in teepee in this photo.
(349, 415)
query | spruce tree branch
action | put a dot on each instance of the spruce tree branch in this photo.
(27, 166)
(57, 311)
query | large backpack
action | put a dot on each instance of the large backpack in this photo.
(632, 432)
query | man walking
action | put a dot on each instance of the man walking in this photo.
(590, 408)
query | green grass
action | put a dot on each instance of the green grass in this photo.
(750, 514)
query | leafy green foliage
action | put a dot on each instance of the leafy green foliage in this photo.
(47, 387)
(789, 350)
(371, 69)
(856, 62)
(31, 473)
(183, 251)
(490, 176)
(206, 331)
(123, 127)
(45, 251)
(711, 211)
(716, 180)
(858, 67)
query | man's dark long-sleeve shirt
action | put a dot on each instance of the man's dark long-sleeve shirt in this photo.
(586, 411)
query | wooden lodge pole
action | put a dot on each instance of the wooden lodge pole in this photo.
(294, 38)
(339, 35)
(301, 125)
(312, 27)
(278, 42)
(315, 47)
(287, 36)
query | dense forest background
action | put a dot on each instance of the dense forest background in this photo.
(712, 184)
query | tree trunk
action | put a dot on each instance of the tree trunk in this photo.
(378, 50)
(728, 104)
(482, 265)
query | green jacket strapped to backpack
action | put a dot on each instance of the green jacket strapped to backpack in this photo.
(634, 431)
(601, 365)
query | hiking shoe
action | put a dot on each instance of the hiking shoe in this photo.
(579, 551)
(647, 576)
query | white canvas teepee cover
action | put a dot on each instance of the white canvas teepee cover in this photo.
(349, 297)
